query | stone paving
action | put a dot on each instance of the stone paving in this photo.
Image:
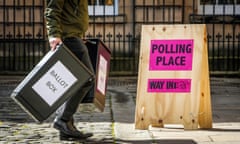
(17, 127)
(116, 123)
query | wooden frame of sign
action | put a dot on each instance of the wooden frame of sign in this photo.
(173, 82)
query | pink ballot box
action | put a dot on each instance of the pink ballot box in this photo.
(100, 57)
(51, 82)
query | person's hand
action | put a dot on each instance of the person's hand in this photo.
(54, 41)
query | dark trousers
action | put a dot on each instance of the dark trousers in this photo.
(67, 110)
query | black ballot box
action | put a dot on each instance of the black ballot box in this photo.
(52, 81)
(100, 56)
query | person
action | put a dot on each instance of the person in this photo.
(66, 23)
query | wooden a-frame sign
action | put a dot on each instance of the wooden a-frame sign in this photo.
(173, 81)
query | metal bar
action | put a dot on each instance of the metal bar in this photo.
(213, 40)
(14, 37)
(154, 11)
(223, 41)
(228, 37)
(33, 31)
(174, 16)
(218, 36)
(24, 37)
(163, 10)
(183, 11)
(234, 47)
(4, 34)
(125, 48)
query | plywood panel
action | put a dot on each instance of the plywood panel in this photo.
(172, 107)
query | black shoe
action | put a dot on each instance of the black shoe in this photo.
(64, 137)
(67, 129)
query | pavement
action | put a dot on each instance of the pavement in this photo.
(116, 123)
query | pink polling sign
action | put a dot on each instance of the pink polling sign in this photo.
(171, 54)
(169, 85)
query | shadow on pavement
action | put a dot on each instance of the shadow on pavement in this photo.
(223, 130)
(164, 141)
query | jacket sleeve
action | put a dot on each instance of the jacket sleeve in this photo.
(53, 17)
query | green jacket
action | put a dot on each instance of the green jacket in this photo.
(66, 18)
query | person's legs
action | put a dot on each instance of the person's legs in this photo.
(66, 111)
(77, 46)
